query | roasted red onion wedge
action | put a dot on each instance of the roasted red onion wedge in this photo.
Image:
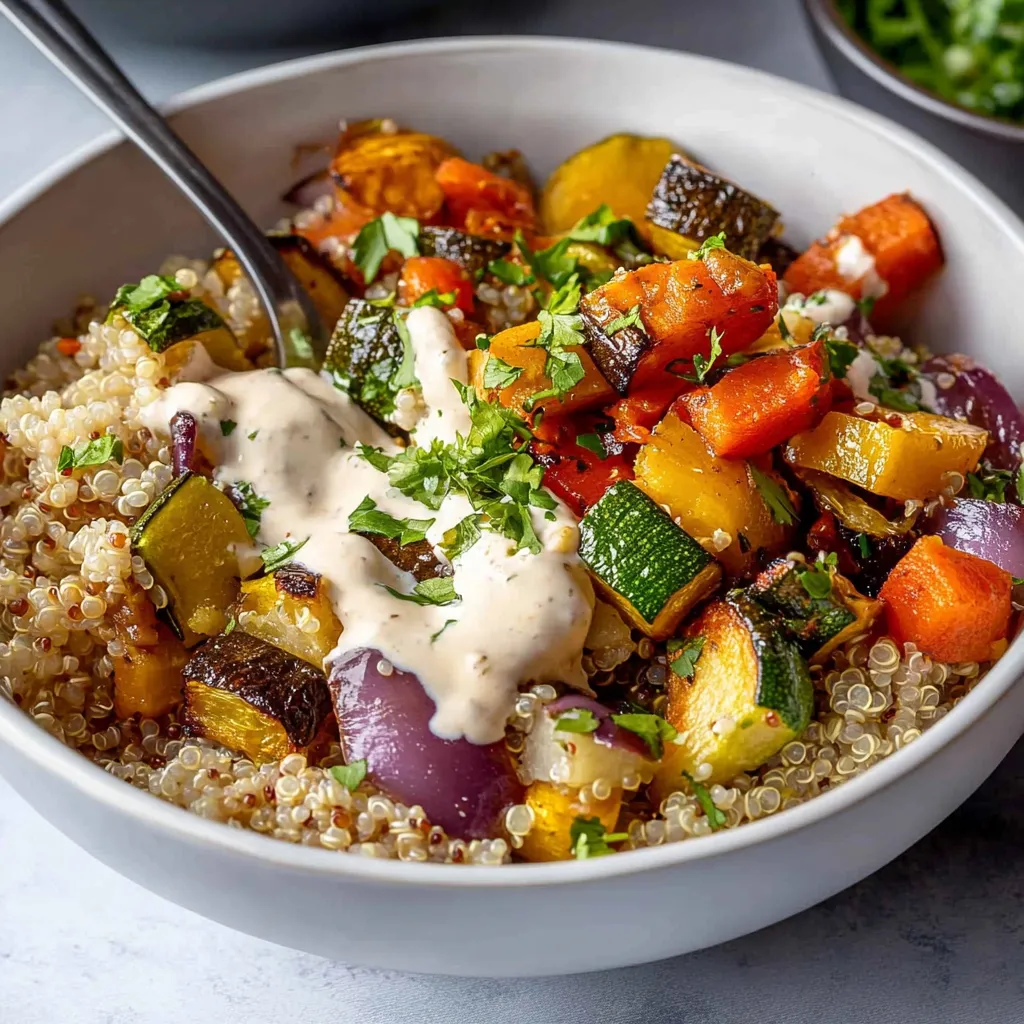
(967, 391)
(983, 528)
(607, 733)
(183, 442)
(385, 719)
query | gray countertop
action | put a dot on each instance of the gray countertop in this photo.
(938, 935)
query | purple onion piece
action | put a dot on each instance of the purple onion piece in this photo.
(184, 430)
(607, 733)
(309, 189)
(977, 396)
(984, 528)
(858, 327)
(576, 702)
(385, 719)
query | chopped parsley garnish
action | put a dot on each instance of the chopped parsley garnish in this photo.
(652, 729)
(630, 319)
(866, 305)
(716, 817)
(405, 375)
(784, 331)
(841, 354)
(553, 264)
(864, 545)
(511, 273)
(701, 365)
(230, 627)
(482, 341)
(227, 427)
(433, 298)
(592, 442)
(252, 436)
(149, 292)
(817, 580)
(990, 484)
(561, 330)
(774, 496)
(350, 775)
(499, 374)
(447, 623)
(576, 720)
(438, 590)
(895, 384)
(589, 838)
(367, 518)
(683, 655)
(250, 504)
(107, 448)
(603, 227)
(300, 345)
(280, 554)
(1017, 580)
(1019, 484)
(713, 242)
(376, 239)
(461, 537)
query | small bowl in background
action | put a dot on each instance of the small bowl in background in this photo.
(992, 148)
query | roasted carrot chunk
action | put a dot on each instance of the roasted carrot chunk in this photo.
(895, 234)
(344, 221)
(497, 204)
(424, 274)
(678, 305)
(638, 414)
(762, 403)
(954, 606)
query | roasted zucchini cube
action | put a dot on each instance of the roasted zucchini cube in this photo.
(648, 567)
(189, 539)
(471, 252)
(253, 697)
(690, 204)
(292, 610)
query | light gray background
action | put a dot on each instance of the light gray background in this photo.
(936, 936)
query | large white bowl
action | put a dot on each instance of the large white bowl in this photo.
(103, 217)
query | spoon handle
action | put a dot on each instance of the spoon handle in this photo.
(54, 30)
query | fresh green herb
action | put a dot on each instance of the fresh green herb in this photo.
(716, 818)
(376, 457)
(774, 496)
(438, 590)
(152, 290)
(576, 720)
(864, 545)
(252, 436)
(1019, 484)
(892, 397)
(553, 264)
(589, 838)
(683, 655)
(250, 504)
(438, 301)
(107, 448)
(482, 342)
(461, 537)
(561, 330)
(367, 518)
(713, 242)
(511, 273)
(652, 729)
(230, 627)
(592, 442)
(989, 484)
(701, 366)
(817, 580)
(376, 239)
(603, 227)
(630, 319)
(499, 374)
(405, 375)
(280, 554)
(447, 623)
(841, 354)
(784, 331)
(866, 305)
(300, 345)
(227, 427)
(1017, 580)
(388, 301)
(350, 775)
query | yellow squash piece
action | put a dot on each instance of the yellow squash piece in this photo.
(704, 493)
(914, 460)
(555, 808)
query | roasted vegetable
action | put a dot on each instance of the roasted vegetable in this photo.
(750, 695)
(345, 220)
(471, 252)
(516, 347)
(621, 171)
(251, 696)
(851, 509)
(189, 539)
(291, 609)
(762, 403)
(364, 355)
(690, 204)
(885, 252)
(914, 459)
(646, 565)
(821, 608)
(636, 415)
(952, 605)
(555, 808)
(706, 494)
(482, 202)
(424, 274)
(988, 529)
(391, 169)
(679, 304)
(417, 558)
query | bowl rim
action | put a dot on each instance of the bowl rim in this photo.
(841, 35)
(50, 755)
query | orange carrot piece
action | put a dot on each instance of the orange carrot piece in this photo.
(637, 415)
(423, 274)
(954, 606)
(762, 403)
(68, 346)
(496, 203)
(343, 222)
(896, 232)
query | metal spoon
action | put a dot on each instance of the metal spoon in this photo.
(67, 43)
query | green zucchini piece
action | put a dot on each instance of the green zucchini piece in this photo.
(819, 624)
(364, 355)
(169, 321)
(189, 538)
(695, 204)
(471, 252)
(749, 695)
(652, 570)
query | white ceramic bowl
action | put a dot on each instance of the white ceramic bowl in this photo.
(103, 217)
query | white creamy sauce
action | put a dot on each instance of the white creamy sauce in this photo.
(521, 617)
(928, 392)
(859, 374)
(855, 263)
(828, 306)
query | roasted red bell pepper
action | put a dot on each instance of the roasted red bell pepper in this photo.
(423, 274)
